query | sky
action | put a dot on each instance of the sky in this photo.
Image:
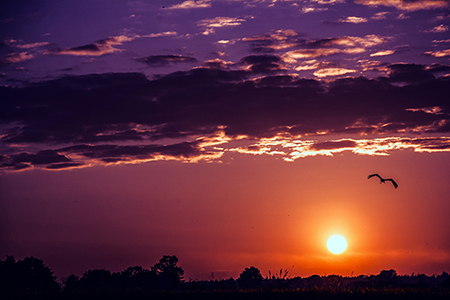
(228, 133)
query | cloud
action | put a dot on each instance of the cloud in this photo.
(329, 46)
(291, 150)
(105, 46)
(80, 121)
(308, 65)
(220, 22)
(211, 24)
(33, 45)
(333, 145)
(328, 1)
(99, 48)
(439, 53)
(154, 35)
(217, 63)
(26, 160)
(332, 72)
(429, 110)
(308, 9)
(162, 60)
(408, 5)
(292, 56)
(275, 40)
(87, 50)
(379, 15)
(438, 29)
(15, 58)
(258, 59)
(190, 4)
(409, 73)
(382, 53)
(257, 64)
(354, 20)
(60, 166)
(89, 155)
(189, 151)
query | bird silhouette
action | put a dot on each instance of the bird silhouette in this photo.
(382, 180)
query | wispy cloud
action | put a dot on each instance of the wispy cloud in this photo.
(332, 46)
(309, 9)
(16, 58)
(440, 28)
(160, 34)
(221, 22)
(293, 56)
(218, 63)
(380, 15)
(353, 19)
(308, 65)
(190, 4)
(429, 110)
(439, 53)
(382, 53)
(328, 1)
(33, 45)
(332, 72)
(211, 24)
(407, 5)
(105, 46)
(94, 49)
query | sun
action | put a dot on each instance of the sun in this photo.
(336, 244)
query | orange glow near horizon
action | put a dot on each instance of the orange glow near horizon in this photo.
(259, 212)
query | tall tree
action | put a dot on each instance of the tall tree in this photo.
(169, 274)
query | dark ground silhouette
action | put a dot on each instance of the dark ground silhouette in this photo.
(30, 278)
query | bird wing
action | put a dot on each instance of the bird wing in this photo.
(372, 175)
(393, 182)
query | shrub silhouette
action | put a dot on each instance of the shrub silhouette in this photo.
(250, 278)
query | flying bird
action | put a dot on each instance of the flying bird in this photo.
(382, 180)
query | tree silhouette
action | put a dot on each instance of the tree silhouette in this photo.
(138, 278)
(169, 274)
(29, 275)
(71, 284)
(97, 280)
(250, 278)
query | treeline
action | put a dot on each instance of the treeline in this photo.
(31, 277)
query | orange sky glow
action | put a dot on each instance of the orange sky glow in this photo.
(261, 211)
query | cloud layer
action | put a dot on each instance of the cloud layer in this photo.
(77, 121)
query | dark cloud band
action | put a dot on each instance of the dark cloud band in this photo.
(119, 117)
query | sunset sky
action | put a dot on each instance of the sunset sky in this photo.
(228, 133)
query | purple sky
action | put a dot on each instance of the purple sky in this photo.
(135, 129)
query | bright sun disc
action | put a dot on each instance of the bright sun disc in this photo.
(336, 244)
